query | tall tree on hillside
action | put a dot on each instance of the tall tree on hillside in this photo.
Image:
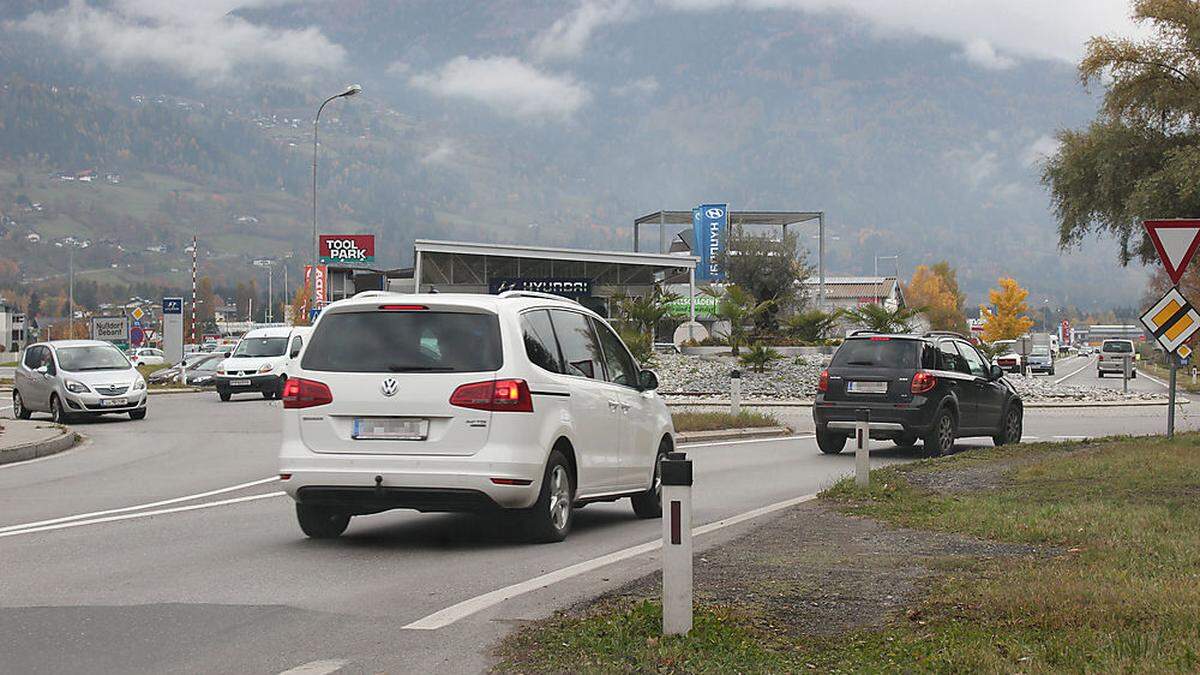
(1140, 158)
(935, 290)
(1008, 320)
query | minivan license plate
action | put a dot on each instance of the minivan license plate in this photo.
(390, 429)
(857, 387)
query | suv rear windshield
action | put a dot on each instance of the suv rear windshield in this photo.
(1118, 347)
(405, 342)
(877, 352)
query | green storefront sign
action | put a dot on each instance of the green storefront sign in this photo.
(706, 306)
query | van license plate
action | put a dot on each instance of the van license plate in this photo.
(390, 429)
(114, 402)
(857, 387)
(239, 383)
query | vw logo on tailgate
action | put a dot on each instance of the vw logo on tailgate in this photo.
(389, 387)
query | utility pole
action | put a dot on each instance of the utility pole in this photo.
(71, 290)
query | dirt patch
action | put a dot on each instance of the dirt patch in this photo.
(970, 476)
(814, 571)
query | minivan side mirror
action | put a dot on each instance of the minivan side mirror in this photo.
(995, 373)
(43, 369)
(294, 353)
(647, 380)
(227, 354)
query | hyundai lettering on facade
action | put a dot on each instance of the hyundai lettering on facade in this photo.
(710, 227)
(566, 287)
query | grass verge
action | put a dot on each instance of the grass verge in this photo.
(1116, 587)
(714, 421)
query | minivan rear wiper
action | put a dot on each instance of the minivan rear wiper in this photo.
(860, 363)
(418, 369)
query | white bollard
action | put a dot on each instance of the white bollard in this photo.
(676, 473)
(735, 392)
(862, 447)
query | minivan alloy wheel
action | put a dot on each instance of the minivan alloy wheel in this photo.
(560, 497)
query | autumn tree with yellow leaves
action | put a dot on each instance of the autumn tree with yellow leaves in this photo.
(1008, 320)
(935, 290)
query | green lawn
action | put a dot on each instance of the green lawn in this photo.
(1116, 589)
(713, 421)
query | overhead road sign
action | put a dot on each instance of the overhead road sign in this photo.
(1172, 320)
(1176, 242)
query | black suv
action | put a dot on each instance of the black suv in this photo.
(934, 387)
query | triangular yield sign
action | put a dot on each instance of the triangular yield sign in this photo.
(1176, 242)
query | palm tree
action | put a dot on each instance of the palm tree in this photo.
(811, 325)
(738, 307)
(645, 312)
(880, 319)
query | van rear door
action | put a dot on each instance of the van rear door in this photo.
(392, 370)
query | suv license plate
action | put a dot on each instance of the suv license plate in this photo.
(390, 429)
(114, 402)
(857, 387)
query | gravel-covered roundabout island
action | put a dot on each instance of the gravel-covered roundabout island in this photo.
(795, 378)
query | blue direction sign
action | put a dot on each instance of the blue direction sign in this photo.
(172, 305)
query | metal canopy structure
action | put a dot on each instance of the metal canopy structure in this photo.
(780, 219)
(472, 266)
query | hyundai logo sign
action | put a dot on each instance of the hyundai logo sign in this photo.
(714, 214)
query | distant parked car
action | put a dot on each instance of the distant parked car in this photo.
(200, 371)
(76, 378)
(146, 356)
(1041, 360)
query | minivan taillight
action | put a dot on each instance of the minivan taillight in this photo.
(494, 395)
(823, 383)
(923, 382)
(301, 393)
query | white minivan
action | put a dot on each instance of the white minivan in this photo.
(522, 402)
(259, 362)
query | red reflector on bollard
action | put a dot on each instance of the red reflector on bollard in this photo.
(676, 535)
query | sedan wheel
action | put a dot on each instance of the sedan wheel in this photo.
(57, 413)
(1013, 429)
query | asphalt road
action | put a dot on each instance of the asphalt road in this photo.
(226, 582)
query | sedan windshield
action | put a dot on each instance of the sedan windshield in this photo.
(91, 357)
(264, 346)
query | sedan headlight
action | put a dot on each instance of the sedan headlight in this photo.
(265, 368)
(75, 386)
(139, 385)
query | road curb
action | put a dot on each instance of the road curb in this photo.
(65, 440)
(805, 403)
(731, 434)
(189, 390)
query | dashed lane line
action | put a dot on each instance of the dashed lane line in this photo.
(317, 667)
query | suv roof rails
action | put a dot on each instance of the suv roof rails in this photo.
(945, 333)
(863, 331)
(535, 294)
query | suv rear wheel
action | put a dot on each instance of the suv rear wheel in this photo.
(321, 522)
(549, 519)
(939, 440)
(1012, 428)
(830, 443)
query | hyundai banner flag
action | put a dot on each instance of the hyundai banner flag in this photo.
(710, 227)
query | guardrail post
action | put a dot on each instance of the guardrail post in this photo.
(862, 447)
(676, 472)
(735, 392)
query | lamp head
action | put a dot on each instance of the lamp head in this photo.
(352, 90)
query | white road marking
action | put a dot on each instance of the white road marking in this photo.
(139, 507)
(466, 608)
(317, 667)
(144, 514)
(748, 440)
(1028, 438)
(1164, 385)
(1072, 438)
(1074, 372)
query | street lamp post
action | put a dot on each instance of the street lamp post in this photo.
(351, 90)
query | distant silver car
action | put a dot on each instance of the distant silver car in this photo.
(76, 378)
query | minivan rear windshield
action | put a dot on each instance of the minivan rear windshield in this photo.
(405, 342)
(879, 352)
(1119, 347)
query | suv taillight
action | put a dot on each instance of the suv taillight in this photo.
(494, 395)
(923, 382)
(301, 393)
(823, 383)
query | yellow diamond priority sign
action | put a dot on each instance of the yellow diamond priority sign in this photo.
(1183, 352)
(1172, 320)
